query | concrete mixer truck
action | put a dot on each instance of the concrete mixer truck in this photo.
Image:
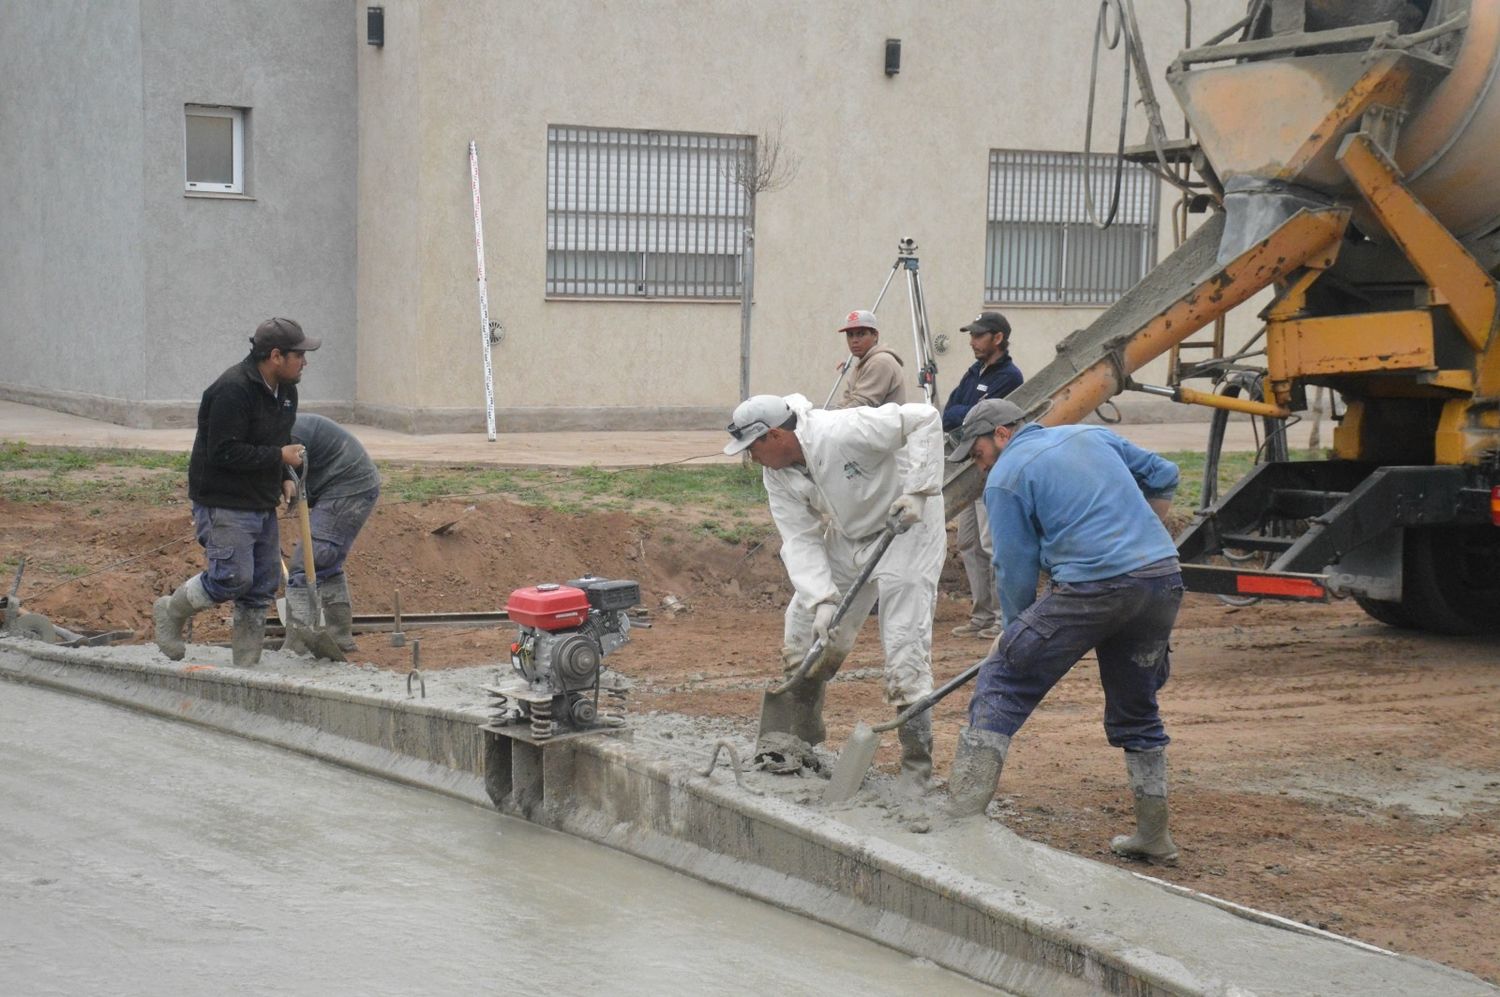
(1346, 157)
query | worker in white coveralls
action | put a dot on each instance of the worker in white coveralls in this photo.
(836, 479)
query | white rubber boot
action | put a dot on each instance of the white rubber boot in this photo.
(916, 753)
(976, 770)
(171, 613)
(1147, 772)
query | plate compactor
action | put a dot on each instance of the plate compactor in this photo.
(559, 687)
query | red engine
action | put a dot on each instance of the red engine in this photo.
(549, 607)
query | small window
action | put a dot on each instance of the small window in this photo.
(1041, 247)
(214, 149)
(645, 214)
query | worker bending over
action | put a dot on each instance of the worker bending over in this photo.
(1088, 506)
(835, 483)
(342, 488)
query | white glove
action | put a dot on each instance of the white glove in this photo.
(906, 512)
(823, 620)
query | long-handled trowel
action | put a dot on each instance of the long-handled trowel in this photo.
(859, 751)
(777, 712)
(313, 633)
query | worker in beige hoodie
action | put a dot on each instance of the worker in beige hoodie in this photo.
(874, 377)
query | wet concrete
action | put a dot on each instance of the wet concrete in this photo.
(151, 857)
(968, 895)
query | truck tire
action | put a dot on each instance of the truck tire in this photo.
(1392, 614)
(1451, 583)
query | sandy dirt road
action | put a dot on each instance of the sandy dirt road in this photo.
(1324, 767)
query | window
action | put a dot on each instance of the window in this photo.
(644, 214)
(1040, 246)
(214, 149)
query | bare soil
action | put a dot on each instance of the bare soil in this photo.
(1324, 767)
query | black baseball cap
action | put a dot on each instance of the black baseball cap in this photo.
(283, 334)
(988, 322)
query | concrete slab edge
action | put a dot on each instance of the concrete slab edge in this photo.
(605, 790)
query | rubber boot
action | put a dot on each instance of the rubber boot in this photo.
(299, 609)
(337, 612)
(976, 770)
(916, 753)
(171, 613)
(246, 635)
(1147, 771)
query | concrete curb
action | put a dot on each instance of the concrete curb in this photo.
(610, 791)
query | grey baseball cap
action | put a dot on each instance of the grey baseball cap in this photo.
(755, 417)
(983, 419)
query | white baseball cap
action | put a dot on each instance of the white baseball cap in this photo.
(755, 417)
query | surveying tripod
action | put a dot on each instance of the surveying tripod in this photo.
(906, 259)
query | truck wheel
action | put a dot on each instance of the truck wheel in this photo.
(1452, 579)
(1392, 614)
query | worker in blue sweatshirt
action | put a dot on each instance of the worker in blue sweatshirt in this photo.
(1089, 507)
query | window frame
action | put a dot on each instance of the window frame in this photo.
(645, 214)
(236, 115)
(1048, 201)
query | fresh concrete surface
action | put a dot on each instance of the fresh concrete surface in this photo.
(968, 895)
(563, 449)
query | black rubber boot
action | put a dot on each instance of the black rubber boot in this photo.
(247, 635)
(1147, 772)
(916, 753)
(171, 613)
(976, 770)
(337, 611)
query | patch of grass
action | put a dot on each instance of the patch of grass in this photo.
(727, 488)
(1232, 467)
(18, 455)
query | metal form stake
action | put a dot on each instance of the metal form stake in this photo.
(484, 298)
(398, 636)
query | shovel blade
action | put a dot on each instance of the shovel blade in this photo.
(854, 762)
(319, 642)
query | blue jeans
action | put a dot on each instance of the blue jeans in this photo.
(335, 523)
(243, 547)
(1127, 620)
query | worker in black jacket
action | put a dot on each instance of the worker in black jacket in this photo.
(237, 478)
(993, 375)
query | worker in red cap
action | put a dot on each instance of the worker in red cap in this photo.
(873, 376)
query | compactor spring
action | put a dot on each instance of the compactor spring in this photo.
(541, 721)
(614, 706)
(500, 703)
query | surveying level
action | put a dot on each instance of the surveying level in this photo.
(921, 331)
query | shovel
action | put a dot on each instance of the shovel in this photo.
(859, 752)
(777, 712)
(313, 635)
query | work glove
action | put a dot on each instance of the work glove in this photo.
(906, 512)
(823, 620)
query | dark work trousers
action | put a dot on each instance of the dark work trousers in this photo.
(1126, 619)
(335, 524)
(243, 547)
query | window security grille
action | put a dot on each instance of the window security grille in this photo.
(644, 214)
(1040, 246)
